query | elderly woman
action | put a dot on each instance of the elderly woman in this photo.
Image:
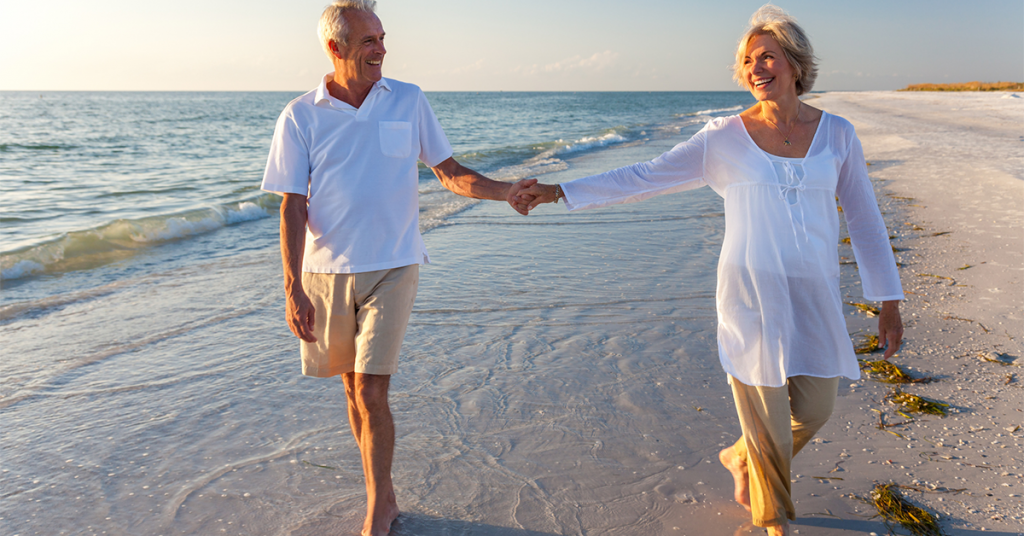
(782, 338)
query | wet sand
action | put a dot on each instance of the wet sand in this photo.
(559, 375)
(592, 401)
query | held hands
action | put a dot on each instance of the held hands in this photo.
(530, 195)
(890, 327)
(514, 193)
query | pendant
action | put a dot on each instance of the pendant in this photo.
(787, 142)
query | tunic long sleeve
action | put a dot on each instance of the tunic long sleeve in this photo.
(778, 298)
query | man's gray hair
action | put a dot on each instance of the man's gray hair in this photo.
(773, 21)
(333, 28)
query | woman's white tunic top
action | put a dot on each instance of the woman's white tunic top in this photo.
(779, 305)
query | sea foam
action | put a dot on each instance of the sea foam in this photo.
(118, 239)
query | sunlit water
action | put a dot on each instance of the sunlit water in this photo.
(559, 375)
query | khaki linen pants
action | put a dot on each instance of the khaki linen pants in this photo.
(777, 422)
(359, 322)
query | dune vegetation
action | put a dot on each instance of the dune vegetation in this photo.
(968, 86)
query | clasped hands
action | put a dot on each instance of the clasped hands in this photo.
(527, 194)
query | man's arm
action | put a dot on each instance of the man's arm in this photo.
(298, 309)
(468, 183)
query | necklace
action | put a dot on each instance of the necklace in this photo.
(784, 135)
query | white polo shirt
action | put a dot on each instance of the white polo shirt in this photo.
(357, 167)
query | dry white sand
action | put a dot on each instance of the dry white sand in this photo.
(949, 170)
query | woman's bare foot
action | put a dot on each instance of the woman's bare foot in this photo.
(378, 523)
(778, 530)
(740, 476)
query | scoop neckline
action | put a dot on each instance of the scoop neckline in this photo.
(771, 156)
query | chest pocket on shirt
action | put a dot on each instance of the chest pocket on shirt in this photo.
(395, 138)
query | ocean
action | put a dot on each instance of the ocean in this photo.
(559, 375)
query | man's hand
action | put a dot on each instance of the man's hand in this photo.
(299, 312)
(536, 194)
(890, 327)
(513, 197)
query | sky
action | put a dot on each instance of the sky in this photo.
(484, 45)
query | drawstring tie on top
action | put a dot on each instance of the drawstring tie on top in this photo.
(795, 185)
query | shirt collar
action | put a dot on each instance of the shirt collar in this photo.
(323, 95)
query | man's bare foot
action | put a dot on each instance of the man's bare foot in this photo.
(379, 523)
(778, 530)
(740, 476)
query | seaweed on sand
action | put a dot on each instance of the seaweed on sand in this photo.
(916, 404)
(894, 509)
(869, 309)
(887, 372)
(869, 345)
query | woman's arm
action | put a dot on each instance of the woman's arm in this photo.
(868, 235)
(681, 168)
(870, 240)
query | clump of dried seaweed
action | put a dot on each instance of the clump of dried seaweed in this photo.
(916, 404)
(869, 309)
(869, 345)
(893, 508)
(887, 372)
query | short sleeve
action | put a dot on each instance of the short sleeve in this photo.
(679, 169)
(434, 146)
(868, 235)
(287, 169)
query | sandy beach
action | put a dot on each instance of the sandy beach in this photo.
(947, 173)
(559, 375)
(949, 177)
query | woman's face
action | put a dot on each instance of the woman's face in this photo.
(766, 71)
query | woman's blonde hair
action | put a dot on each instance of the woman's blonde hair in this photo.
(773, 21)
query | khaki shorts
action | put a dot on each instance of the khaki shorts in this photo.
(360, 320)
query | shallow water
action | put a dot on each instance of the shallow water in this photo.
(559, 376)
(92, 178)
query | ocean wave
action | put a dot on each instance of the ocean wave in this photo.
(14, 310)
(538, 165)
(678, 126)
(611, 137)
(119, 239)
(153, 191)
(8, 147)
(435, 212)
(712, 111)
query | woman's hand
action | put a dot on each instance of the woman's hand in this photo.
(539, 193)
(513, 196)
(890, 327)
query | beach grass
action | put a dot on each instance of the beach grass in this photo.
(968, 86)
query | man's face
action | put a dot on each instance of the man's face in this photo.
(361, 59)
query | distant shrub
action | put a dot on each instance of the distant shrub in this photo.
(968, 86)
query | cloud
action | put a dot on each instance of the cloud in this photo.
(595, 63)
(468, 68)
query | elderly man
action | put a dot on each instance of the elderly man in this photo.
(344, 158)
